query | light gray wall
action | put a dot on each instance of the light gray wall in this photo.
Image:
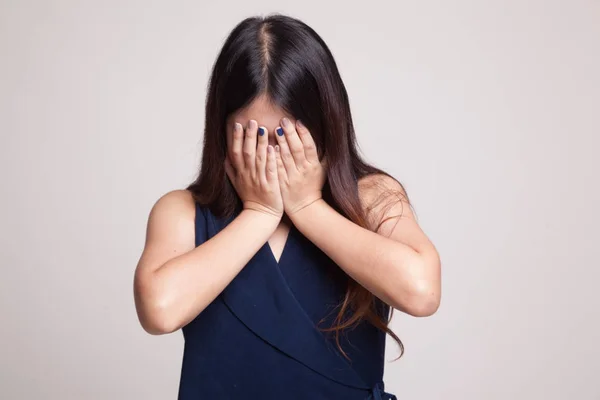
(487, 111)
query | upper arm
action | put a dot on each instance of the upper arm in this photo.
(390, 213)
(170, 232)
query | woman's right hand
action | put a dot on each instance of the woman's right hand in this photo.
(252, 169)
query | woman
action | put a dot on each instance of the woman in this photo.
(282, 262)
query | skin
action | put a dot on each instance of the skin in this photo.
(174, 280)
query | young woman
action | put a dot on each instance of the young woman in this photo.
(282, 262)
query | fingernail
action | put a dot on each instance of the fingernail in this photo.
(261, 131)
(237, 126)
(300, 124)
(286, 122)
(280, 131)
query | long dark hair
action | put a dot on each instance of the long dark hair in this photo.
(285, 59)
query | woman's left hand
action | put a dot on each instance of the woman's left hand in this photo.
(301, 174)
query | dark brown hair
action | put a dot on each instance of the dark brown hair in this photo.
(288, 61)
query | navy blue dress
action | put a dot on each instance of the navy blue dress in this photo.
(259, 338)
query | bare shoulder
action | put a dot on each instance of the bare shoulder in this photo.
(383, 198)
(372, 186)
(178, 202)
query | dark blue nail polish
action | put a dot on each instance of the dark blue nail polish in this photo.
(261, 131)
(280, 131)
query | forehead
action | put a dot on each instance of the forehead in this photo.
(262, 110)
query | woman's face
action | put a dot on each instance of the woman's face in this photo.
(264, 113)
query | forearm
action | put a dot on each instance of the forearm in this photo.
(187, 284)
(391, 270)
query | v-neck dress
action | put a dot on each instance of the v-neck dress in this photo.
(260, 338)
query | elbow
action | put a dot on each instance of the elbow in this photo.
(424, 308)
(418, 299)
(425, 301)
(424, 293)
(158, 326)
(157, 321)
(154, 313)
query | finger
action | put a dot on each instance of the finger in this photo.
(281, 171)
(310, 148)
(249, 146)
(284, 151)
(271, 168)
(237, 140)
(261, 153)
(293, 141)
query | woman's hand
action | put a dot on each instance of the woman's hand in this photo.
(252, 169)
(301, 174)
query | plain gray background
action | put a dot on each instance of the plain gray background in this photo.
(488, 112)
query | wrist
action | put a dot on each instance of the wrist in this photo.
(298, 209)
(262, 210)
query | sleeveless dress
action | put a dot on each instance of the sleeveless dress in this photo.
(259, 339)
